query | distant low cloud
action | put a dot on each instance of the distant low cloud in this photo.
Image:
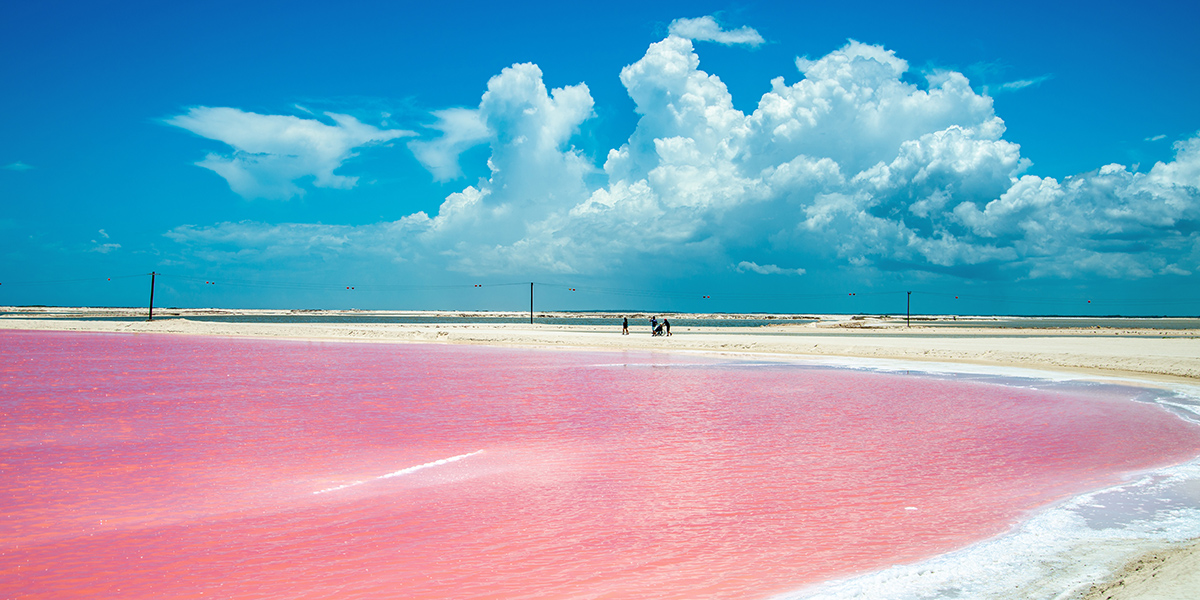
(272, 152)
(1156, 138)
(104, 248)
(254, 242)
(746, 266)
(17, 166)
(706, 29)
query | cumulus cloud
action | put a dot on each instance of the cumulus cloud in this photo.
(536, 176)
(272, 152)
(851, 163)
(706, 29)
(1111, 221)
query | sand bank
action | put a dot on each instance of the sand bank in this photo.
(1171, 573)
(1171, 355)
(1147, 354)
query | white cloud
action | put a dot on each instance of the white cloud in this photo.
(1013, 86)
(850, 165)
(535, 175)
(1111, 221)
(256, 242)
(706, 29)
(1156, 138)
(853, 107)
(461, 129)
(17, 166)
(104, 248)
(747, 266)
(272, 152)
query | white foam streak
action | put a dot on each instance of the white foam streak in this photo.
(404, 471)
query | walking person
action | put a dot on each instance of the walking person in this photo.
(667, 325)
(625, 326)
(653, 324)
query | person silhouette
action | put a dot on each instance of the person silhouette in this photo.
(625, 326)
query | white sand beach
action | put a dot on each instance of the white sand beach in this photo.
(1156, 354)
(1163, 357)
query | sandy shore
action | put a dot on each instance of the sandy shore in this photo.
(1170, 573)
(1159, 354)
(1148, 355)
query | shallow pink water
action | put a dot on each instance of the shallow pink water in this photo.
(184, 467)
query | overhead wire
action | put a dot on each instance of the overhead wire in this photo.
(657, 294)
(75, 280)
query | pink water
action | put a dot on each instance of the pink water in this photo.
(144, 466)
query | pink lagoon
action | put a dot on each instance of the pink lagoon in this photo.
(160, 466)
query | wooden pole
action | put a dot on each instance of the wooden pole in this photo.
(908, 312)
(151, 316)
(531, 303)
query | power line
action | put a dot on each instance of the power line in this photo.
(49, 281)
(329, 286)
(720, 296)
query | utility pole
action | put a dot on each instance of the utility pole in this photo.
(531, 303)
(151, 316)
(908, 312)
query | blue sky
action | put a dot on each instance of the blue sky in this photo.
(1019, 158)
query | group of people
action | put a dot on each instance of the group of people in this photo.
(656, 328)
